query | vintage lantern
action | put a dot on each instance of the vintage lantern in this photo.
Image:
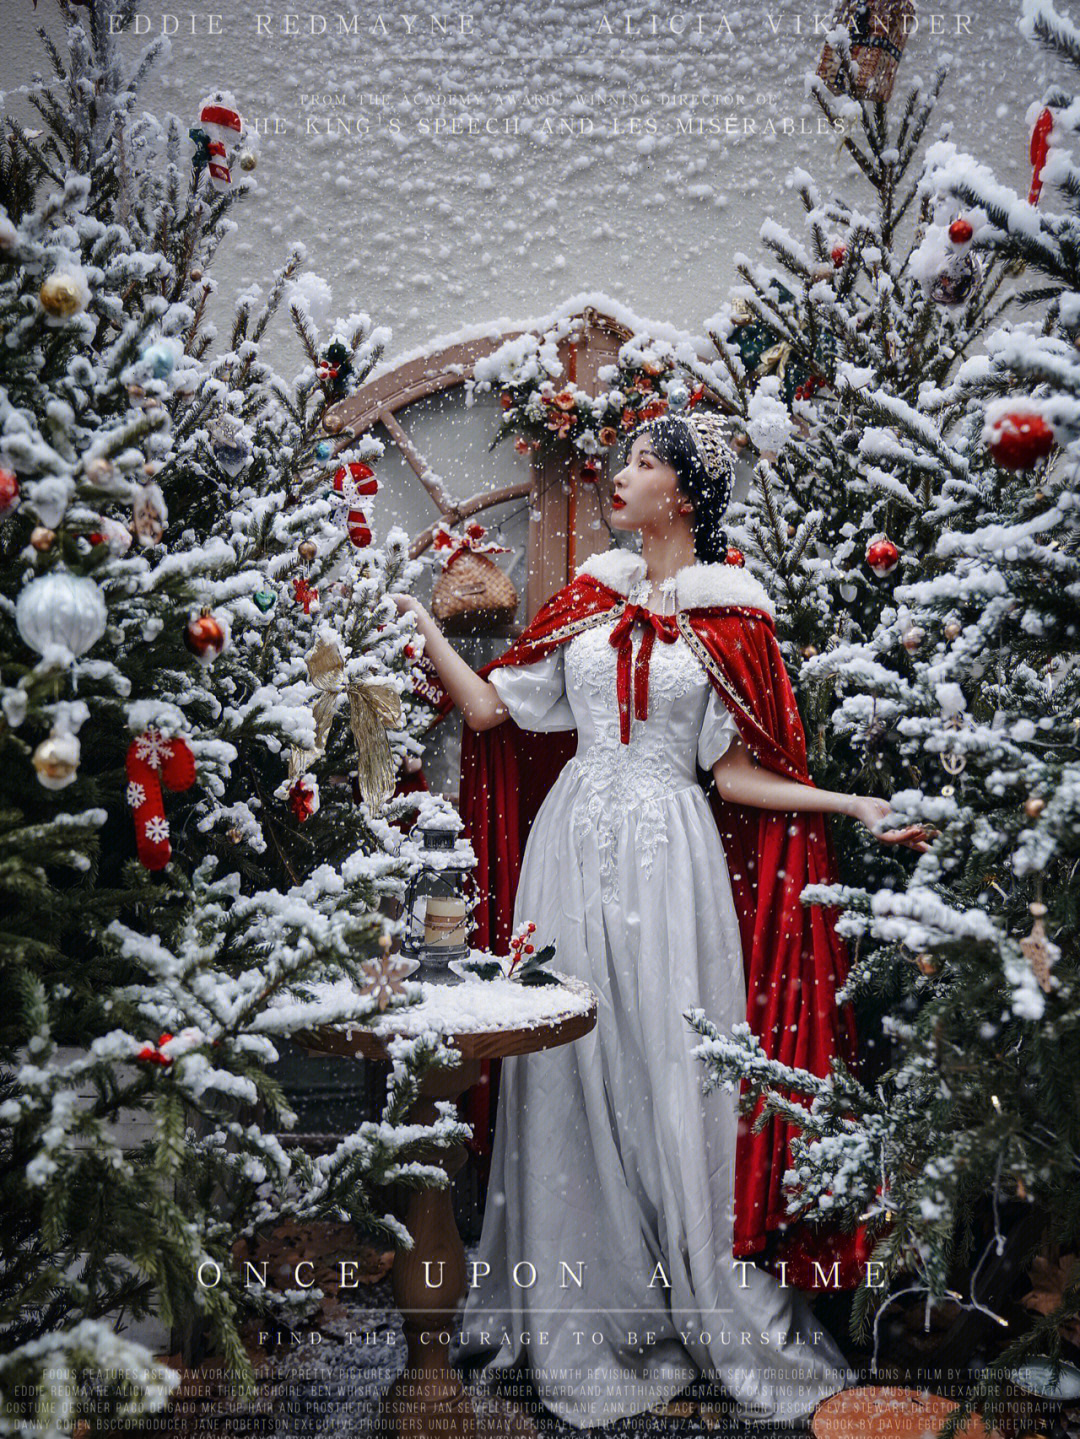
(439, 901)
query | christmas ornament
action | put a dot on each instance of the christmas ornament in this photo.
(373, 709)
(153, 761)
(61, 609)
(159, 360)
(877, 33)
(304, 797)
(307, 550)
(384, 976)
(882, 556)
(152, 1053)
(112, 533)
(472, 593)
(248, 160)
(590, 470)
(56, 759)
(353, 481)
(41, 537)
(952, 629)
(195, 275)
(9, 493)
(734, 557)
(99, 471)
(838, 254)
(324, 449)
(358, 529)
(763, 352)
(1016, 438)
(335, 368)
(913, 638)
(678, 396)
(1037, 949)
(229, 444)
(264, 600)
(205, 638)
(305, 595)
(1034, 807)
(961, 230)
(958, 281)
(1039, 150)
(64, 294)
(149, 514)
(219, 125)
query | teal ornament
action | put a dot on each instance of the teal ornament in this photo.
(160, 360)
(264, 600)
(324, 449)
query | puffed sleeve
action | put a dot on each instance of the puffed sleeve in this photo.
(718, 729)
(535, 694)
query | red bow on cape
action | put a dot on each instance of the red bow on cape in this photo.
(794, 960)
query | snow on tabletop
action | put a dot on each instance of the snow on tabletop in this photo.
(472, 1006)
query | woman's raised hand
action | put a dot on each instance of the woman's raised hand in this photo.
(408, 604)
(871, 810)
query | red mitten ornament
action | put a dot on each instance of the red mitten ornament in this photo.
(1040, 148)
(153, 760)
(351, 482)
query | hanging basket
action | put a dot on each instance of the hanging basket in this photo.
(879, 32)
(472, 595)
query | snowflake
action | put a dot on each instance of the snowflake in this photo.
(156, 829)
(154, 748)
(383, 978)
(136, 795)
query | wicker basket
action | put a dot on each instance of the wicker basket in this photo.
(473, 595)
(879, 32)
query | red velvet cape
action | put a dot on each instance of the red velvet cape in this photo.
(794, 959)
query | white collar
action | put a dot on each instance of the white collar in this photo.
(696, 585)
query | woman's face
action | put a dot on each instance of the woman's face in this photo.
(646, 494)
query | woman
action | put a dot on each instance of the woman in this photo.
(606, 1257)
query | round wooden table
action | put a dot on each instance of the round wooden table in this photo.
(428, 1398)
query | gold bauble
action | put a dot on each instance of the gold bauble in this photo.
(952, 629)
(56, 760)
(195, 274)
(248, 161)
(1034, 807)
(42, 538)
(913, 638)
(809, 651)
(925, 964)
(61, 295)
(307, 550)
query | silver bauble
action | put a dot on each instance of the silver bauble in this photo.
(61, 609)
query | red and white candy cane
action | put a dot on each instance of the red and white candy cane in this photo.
(222, 124)
(352, 481)
(153, 761)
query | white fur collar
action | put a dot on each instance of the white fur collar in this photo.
(696, 585)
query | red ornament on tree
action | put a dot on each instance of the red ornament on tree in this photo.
(205, 638)
(352, 481)
(305, 595)
(9, 493)
(304, 798)
(734, 557)
(882, 556)
(1018, 438)
(961, 231)
(153, 760)
(151, 1053)
(838, 254)
(1040, 148)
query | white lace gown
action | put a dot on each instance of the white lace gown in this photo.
(608, 1223)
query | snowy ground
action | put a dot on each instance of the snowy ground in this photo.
(337, 1394)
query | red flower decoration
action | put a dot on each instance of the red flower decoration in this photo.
(305, 595)
(151, 1053)
(565, 400)
(643, 383)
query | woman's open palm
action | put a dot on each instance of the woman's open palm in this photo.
(871, 810)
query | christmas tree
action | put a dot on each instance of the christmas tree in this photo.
(915, 515)
(190, 592)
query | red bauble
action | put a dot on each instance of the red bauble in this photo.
(358, 528)
(362, 476)
(961, 231)
(882, 556)
(734, 557)
(1020, 438)
(9, 493)
(304, 798)
(205, 638)
(838, 254)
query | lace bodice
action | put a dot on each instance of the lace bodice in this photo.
(575, 688)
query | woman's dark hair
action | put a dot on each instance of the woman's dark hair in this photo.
(674, 445)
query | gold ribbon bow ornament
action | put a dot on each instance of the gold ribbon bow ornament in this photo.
(373, 709)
